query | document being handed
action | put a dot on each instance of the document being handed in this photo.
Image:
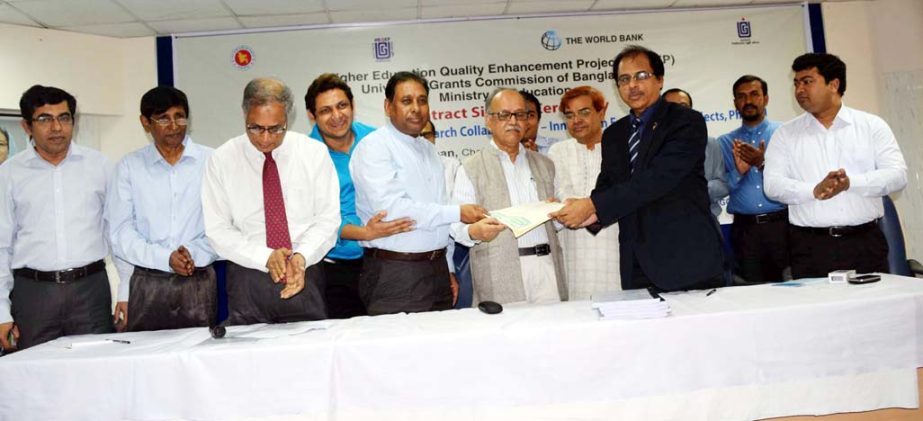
(523, 218)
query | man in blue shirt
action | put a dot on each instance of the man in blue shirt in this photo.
(329, 102)
(759, 235)
(155, 223)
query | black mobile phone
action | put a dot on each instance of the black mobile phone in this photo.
(864, 279)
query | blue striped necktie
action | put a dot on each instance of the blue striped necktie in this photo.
(633, 142)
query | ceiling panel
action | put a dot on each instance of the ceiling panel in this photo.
(194, 25)
(117, 30)
(274, 7)
(369, 4)
(10, 15)
(457, 11)
(353, 16)
(284, 20)
(74, 13)
(175, 9)
(549, 6)
(631, 4)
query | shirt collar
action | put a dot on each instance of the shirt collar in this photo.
(315, 134)
(401, 135)
(153, 155)
(73, 152)
(647, 114)
(501, 152)
(758, 128)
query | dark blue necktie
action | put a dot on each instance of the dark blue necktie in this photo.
(633, 142)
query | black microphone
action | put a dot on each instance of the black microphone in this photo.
(218, 331)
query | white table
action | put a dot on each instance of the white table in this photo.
(741, 353)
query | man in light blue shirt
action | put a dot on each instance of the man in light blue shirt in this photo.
(53, 280)
(329, 102)
(155, 223)
(759, 235)
(397, 171)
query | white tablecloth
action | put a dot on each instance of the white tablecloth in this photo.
(740, 353)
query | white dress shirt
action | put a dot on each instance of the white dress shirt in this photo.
(232, 200)
(591, 261)
(403, 176)
(51, 217)
(154, 207)
(803, 151)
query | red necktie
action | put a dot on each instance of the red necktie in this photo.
(274, 207)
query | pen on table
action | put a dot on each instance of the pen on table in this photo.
(119, 341)
(713, 290)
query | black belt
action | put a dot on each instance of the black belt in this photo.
(763, 218)
(158, 272)
(62, 276)
(539, 250)
(405, 257)
(840, 231)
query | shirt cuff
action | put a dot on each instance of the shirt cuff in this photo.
(5, 316)
(162, 257)
(450, 214)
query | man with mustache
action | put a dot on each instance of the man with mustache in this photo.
(53, 279)
(154, 210)
(652, 183)
(329, 102)
(397, 171)
(759, 234)
(832, 165)
(503, 174)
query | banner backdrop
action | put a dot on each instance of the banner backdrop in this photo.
(704, 51)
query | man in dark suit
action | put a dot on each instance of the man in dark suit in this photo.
(652, 183)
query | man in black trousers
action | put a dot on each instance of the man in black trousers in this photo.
(652, 183)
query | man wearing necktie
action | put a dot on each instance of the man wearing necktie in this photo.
(652, 183)
(270, 199)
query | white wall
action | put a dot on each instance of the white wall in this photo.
(881, 42)
(106, 75)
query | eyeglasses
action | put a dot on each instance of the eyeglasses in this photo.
(65, 119)
(641, 76)
(583, 113)
(505, 115)
(259, 130)
(165, 121)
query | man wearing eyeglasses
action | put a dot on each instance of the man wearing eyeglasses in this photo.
(397, 171)
(53, 280)
(831, 166)
(652, 183)
(154, 210)
(329, 102)
(506, 269)
(270, 199)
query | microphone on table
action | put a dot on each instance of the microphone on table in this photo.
(218, 331)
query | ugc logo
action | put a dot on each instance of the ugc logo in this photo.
(550, 40)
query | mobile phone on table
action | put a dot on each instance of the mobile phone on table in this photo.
(864, 279)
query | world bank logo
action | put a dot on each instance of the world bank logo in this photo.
(383, 50)
(550, 40)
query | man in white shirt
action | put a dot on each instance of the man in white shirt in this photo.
(270, 199)
(503, 174)
(53, 280)
(832, 165)
(396, 171)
